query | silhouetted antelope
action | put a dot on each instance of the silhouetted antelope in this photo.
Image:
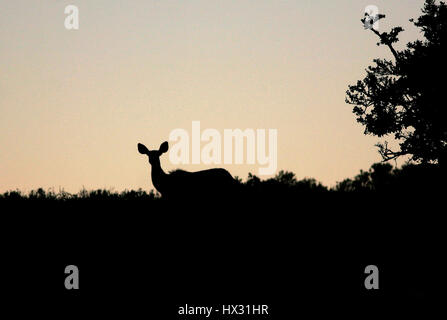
(216, 182)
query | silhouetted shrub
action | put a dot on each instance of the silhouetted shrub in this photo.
(380, 178)
(62, 195)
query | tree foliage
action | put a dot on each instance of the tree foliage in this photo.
(404, 97)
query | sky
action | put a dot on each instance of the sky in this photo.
(75, 103)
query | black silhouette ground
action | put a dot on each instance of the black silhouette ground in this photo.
(303, 251)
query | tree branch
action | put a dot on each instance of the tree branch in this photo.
(387, 43)
(388, 154)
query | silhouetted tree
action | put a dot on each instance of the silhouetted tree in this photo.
(382, 177)
(378, 178)
(283, 184)
(285, 177)
(404, 97)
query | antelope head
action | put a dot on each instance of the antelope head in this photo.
(153, 155)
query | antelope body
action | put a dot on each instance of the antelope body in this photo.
(180, 183)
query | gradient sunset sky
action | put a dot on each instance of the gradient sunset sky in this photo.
(74, 104)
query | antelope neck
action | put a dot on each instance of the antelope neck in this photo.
(157, 174)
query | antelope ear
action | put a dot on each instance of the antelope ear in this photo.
(142, 149)
(164, 147)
